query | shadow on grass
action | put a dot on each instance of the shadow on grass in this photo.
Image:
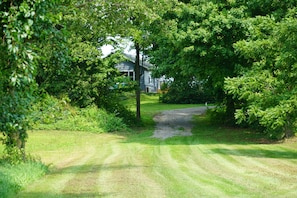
(64, 195)
(258, 153)
(252, 144)
(204, 132)
(96, 168)
(83, 170)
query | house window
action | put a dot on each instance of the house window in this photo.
(131, 75)
(125, 73)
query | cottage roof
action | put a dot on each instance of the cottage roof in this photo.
(125, 66)
(143, 61)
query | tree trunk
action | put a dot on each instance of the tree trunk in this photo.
(16, 142)
(230, 111)
(137, 79)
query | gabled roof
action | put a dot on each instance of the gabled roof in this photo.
(125, 66)
(143, 61)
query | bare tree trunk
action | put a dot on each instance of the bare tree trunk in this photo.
(137, 78)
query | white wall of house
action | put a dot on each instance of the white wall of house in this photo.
(148, 83)
(151, 84)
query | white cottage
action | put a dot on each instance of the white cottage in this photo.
(147, 82)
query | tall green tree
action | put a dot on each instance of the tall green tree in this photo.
(82, 73)
(132, 19)
(267, 91)
(23, 26)
(196, 40)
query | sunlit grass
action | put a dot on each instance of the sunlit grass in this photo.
(14, 178)
(150, 106)
(215, 162)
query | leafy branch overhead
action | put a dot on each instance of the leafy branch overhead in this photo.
(23, 26)
(241, 52)
(268, 90)
(52, 47)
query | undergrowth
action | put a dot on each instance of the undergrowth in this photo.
(14, 177)
(50, 113)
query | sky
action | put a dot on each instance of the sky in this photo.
(123, 43)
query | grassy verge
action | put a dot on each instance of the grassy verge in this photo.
(214, 162)
(14, 178)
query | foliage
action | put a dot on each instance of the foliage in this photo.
(84, 75)
(47, 110)
(219, 40)
(13, 111)
(195, 39)
(14, 178)
(267, 92)
(134, 23)
(23, 24)
(112, 123)
(90, 84)
(57, 114)
(184, 91)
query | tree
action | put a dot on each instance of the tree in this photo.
(185, 91)
(133, 20)
(267, 91)
(82, 74)
(196, 40)
(23, 26)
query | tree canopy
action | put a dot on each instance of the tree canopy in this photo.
(59, 41)
(243, 51)
(197, 42)
(267, 91)
(24, 25)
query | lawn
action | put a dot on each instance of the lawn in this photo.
(214, 162)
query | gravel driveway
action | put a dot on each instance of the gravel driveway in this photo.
(175, 122)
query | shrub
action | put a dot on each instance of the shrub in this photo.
(122, 112)
(185, 92)
(111, 123)
(51, 113)
(14, 178)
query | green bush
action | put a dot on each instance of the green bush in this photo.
(48, 110)
(50, 113)
(185, 92)
(122, 112)
(217, 115)
(14, 178)
(112, 123)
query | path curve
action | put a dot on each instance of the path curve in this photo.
(176, 122)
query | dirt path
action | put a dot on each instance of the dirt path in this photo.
(176, 122)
